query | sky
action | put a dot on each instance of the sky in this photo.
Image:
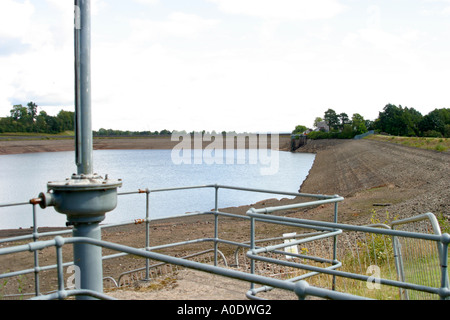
(229, 65)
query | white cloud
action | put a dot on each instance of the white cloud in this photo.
(178, 24)
(15, 18)
(282, 9)
(149, 77)
(67, 8)
(44, 71)
(441, 9)
(147, 2)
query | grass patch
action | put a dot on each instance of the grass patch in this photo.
(372, 254)
(8, 136)
(34, 134)
(437, 144)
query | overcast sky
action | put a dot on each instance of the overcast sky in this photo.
(242, 65)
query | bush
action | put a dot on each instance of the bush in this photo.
(432, 134)
(347, 133)
(315, 135)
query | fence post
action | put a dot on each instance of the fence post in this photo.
(147, 232)
(36, 256)
(252, 248)
(444, 265)
(335, 243)
(59, 242)
(216, 223)
(398, 259)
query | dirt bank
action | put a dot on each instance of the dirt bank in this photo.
(408, 181)
(26, 145)
(412, 180)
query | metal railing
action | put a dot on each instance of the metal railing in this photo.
(441, 290)
(257, 252)
(409, 250)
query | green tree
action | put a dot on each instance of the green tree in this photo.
(331, 119)
(411, 120)
(167, 132)
(387, 119)
(347, 132)
(316, 121)
(437, 120)
(343, 118)
(399, 121)
(19, 119)
(358, 124)
(32, 110)
(66, 119)
(26, 119)
(299, 129)
(19, 112)
(370, 125)
(41, 122)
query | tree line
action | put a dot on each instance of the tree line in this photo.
(393, 120)
(401, 121)
(102, 132)
(26, 119)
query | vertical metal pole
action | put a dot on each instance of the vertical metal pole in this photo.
(36, 256)
(444, 265)
(335, 243)
(396, 246)
(216, 224)
(59, 264)
(147, 232)
(83, 126)
(88, 258)
(252, 248)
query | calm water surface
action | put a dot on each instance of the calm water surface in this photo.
(24, 176)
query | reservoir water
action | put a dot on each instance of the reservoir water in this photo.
(24, 176)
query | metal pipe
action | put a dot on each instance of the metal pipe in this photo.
(83, 126)
(298, 205)
(295, 242)
(88, 258)
(59, 242)
(147, 231)
(36, 255)
(252, 213)
(335, 243)
(444, 266)
(252, 247)
(216, 223)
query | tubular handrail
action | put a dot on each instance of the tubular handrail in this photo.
(254, 253)
(163, 263)
(59, 242)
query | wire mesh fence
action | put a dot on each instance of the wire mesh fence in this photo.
(374, 256)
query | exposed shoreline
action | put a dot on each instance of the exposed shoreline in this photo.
(405, 180)
(24, 145)
(343, 167)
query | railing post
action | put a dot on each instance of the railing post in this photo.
(147, 232)
(252, 248)
(59, 242)
(216, 223)
(398, 259)
(445, 287)
(335, 243)
(36, 256)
